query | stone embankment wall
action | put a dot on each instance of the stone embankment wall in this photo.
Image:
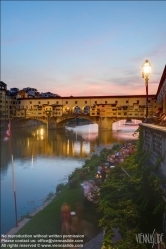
(20, 123)
(155, 141)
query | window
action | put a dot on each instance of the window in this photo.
(75, 102)
(127, 101)
(85, 102)
(48, 102)
(66, 102)
(105, 102)
(30, 102)
(137, 101)
(95, 102)
(57, 102)
(38, 102)
(116, 102)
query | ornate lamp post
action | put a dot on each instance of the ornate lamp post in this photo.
(146, 70)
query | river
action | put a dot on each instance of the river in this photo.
(44, 159)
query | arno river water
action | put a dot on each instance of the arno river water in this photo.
(44, 159)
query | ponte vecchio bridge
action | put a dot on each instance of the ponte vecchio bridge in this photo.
(103, 110)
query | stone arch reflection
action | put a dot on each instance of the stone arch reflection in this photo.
(126, 124)
(77, 148)
(86, 147)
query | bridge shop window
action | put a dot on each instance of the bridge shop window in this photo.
(127, 101)
(116, 102)
(66, 102)
(75, 102)
(105, 102)
(95, 102)
(30, 102)
(85, 102)
(48, 102)
(57, 102)
(137, 101)
(38, 102)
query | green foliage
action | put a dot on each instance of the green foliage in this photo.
(74, 174)
(73, 183)
(59, 187)
(133, 204)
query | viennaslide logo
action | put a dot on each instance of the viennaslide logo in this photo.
(147, 238)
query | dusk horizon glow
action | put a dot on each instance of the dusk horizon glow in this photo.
(82, 48)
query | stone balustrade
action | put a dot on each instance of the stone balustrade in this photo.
(155, 141)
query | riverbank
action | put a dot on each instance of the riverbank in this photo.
(46, 219)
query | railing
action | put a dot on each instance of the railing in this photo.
(155, 141)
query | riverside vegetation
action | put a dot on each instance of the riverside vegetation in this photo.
(133, 204)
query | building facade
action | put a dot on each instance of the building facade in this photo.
(28, 103)
(161, 92)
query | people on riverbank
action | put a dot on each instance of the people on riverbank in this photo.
(119, 156)
(157, 118)
(65, 219)
(103, 173)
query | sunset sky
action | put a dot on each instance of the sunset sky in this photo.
(82, 48)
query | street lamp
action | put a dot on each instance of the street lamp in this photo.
(146, 70)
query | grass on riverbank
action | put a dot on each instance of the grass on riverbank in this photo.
(48, 220)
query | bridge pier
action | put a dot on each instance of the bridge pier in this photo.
(105, 123)
(51, 125)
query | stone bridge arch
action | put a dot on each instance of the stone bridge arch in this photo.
(60, 121)
(104, 123)
(85, 109)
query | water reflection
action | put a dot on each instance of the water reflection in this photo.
(42, 160)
